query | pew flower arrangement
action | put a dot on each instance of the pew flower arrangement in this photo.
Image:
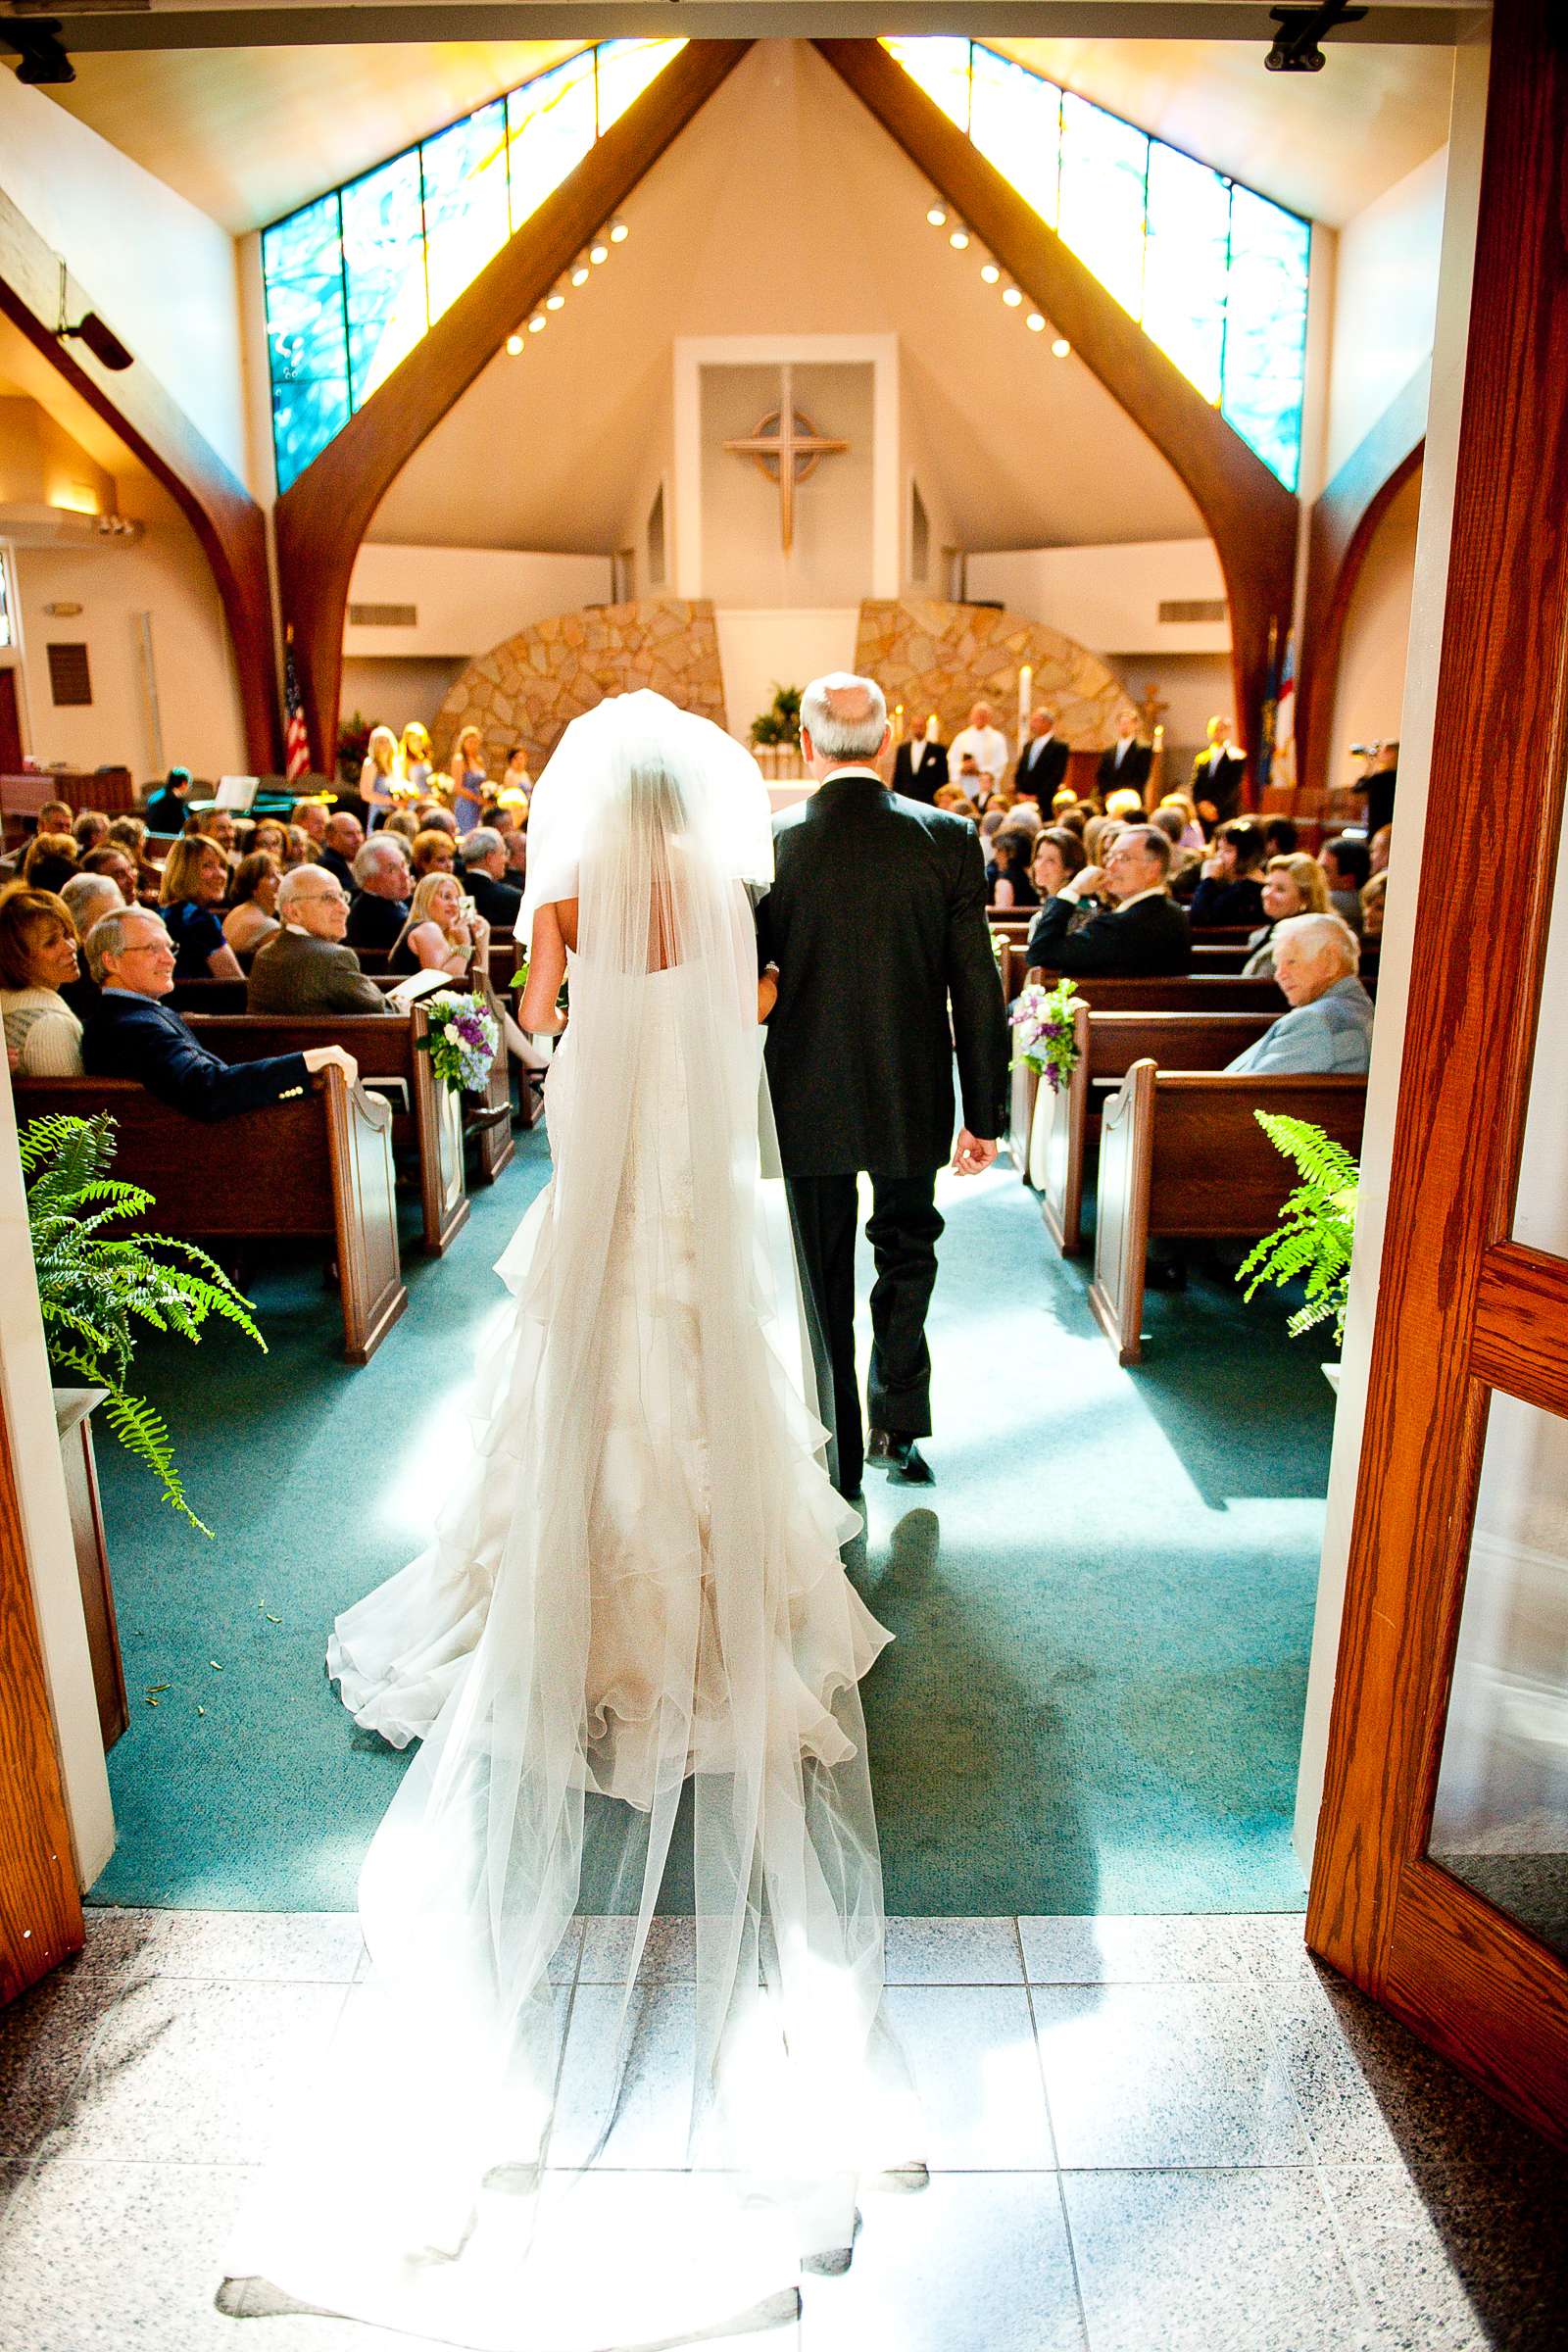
(461, 1038)
(95, 1286)
(1316, 1231)
(1043, 1032)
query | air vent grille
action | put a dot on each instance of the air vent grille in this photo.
(1197, 608)
(383, 616)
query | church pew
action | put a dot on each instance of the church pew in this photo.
(385, 1046)
(1173, 992)
(1182, 1155)
(1109, 1044)
(316, 1167)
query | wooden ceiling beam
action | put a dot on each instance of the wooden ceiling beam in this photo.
(1252, 518)
(322, 516)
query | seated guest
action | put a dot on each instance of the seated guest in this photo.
(405, 824)
(1346, 867)
(301, 849)
(55, 816)
(310, 817)
(1327, 1029)
(382, 882)
(1042, 757)
(1058, 855)
(1377, 849)
(253, 916)
(115, 864)
(1291, 886)
(438, 936)
(131, 1034)
(1099, 834)
(1185, 864)
(89, 830)
(432, 852)
(1381, 781)
(270, 834)
(165, 811)
(468, 778)
(1143, 930)
(38, 959)
(342, 843)
(1008, 874)
(484, 869)
(1372, 894)
(195, 885)
(1126, 761)
(1126, 805)
(1071, 820)
(217, 824)
(954, 799)
(517, 841)
(129, 833)
(1281, 835)
(1193, 836)
(49, 861)
(1229, 891)
(87, 898)
(433, 819)
(306, 969)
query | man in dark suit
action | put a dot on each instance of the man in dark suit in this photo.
(484, 871)
(305, 967)
(1042, 759)
(1144, 931)
(920, 765)
(876, 922)
(133, 1035)
(382, 884)
(1217, 774)
(1124, 765)
(342, 843)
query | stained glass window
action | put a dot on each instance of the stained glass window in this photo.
(354, 279)
(1215, 274)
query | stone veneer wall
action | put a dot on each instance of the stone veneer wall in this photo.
(943, 658)
(528, 689)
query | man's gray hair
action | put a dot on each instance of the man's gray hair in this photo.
(1324, 934)
(108, 936)
(300, 881)
(1154, 844)
(85, 891)
(482, 842)
(846, 717)
(379, 846)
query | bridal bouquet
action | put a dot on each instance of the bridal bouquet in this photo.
(461, 1040)
(1043, 1032)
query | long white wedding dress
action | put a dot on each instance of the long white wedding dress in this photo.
(631, 1636)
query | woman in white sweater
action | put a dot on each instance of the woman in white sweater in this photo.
(38, 959)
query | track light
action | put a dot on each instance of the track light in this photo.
(555, 299)
(598, 251)
(513, 346)
(1296, 44)
(1035, 323)
(42, 53)
(1011, 297)
(537, 323)
(580, 270)
(992, 274)
(959, 237)
(937, 214)
(1061, 348)
(101, 340)
(618, 232)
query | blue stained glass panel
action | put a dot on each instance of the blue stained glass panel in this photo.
(1105, 163)
(625, 70)
(1015, 121)
(384, 266)
(1185, 265)
(465, 219)
(941, 66)
(302, 268)
(1265, 339)
(550, 128)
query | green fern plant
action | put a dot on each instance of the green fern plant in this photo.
(1316, 1231)
(95, 1287)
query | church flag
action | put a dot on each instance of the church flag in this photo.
(1281, 767)
(296, 743)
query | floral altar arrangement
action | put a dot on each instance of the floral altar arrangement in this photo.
(462, 1038)
(1316, 1233)
(1043, 1032)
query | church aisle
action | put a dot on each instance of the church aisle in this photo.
(1103, 1607)
(1147, 2135)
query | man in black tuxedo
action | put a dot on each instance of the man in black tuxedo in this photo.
(133, 1035)
(484, 871)
(1042, 759)
(1144, 931)
(342, 842)
(1217, 774)
(876, 922)
(1124, 764)
(920, 765)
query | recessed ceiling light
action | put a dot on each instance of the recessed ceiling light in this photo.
(937, 215)
(1011, 297)
(513, 346)
(959, 237)
(1035, 323)
(990, 273)
(580, 270)
(537, 323)
(598, 252)
(555, 299)
(1061, 348)
(618, 232)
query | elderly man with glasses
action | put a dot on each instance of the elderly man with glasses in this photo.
(305, 967)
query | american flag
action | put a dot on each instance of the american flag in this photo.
(296, 743)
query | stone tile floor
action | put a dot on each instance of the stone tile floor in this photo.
(1146, 2136)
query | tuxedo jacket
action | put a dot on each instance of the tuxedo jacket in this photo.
(296, 973)
(497, 902)
(377, 923)
(1153, 936)
(1042, 765)
(138, 1037)
(1133, 773)
(1217, 777)
(876, 919)
(337, 864)
(920, 783)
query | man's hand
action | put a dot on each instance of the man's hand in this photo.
(1078, 885)
(972, 1154)
(332, 1057)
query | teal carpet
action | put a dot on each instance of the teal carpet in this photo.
(1102, 1607)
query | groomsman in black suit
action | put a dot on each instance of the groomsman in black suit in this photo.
(1042, 759)
(1124, 765)
(1217, 774)
(920, 764)
(876, 922)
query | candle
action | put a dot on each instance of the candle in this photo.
(897, 722)
(931, 726)
(1025, 682)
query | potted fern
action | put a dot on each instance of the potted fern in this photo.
(1316, 1231)
(97, 1282)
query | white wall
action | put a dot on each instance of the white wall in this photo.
(468, 598)
(389, 693)
(1385, 300)
(1108, 598)
(164, 276)
(1369, 690)
(760, 650)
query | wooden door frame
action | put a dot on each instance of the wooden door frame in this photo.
(1463, 1310)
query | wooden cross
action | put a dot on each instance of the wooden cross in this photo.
(793, 443)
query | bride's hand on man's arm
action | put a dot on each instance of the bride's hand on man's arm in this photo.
(767, 992)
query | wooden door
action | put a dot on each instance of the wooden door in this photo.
(1440, 1877)
(10, 722)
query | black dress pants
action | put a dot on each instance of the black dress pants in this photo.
(902, 1229)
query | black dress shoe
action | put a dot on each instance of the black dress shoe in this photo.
(901, 1458)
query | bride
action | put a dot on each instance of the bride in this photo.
(631, 1653)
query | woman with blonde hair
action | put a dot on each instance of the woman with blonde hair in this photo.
(466, 772)
(1293, 885)
(38, 959)
(442, 932)
(194, 886)
(381, 780)
(1192, 836)
(417, 755)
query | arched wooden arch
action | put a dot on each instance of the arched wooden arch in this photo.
(1341, 527)
(1250, 515)
(324, 514)
(225, 518)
